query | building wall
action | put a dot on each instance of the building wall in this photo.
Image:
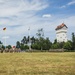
(61, 35)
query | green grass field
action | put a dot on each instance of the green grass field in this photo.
(41, 63)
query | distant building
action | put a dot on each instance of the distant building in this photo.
(61, 33)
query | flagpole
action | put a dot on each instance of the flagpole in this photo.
(5, 40)
(29, 39)
(4, 37)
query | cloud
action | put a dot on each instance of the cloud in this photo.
(71, 3)
(12, 7)
(5, 37)
(64, 6)
(16, 12)
(68, 4)
(1, 1)
(46, 15)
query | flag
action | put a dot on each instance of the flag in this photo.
(4, 28)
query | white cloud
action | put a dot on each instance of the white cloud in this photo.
(68, 4)
(64, 6)
(46, 15)
(23, 10)
(12, 7)
(71, 3)
(1, 1)
(5, 37)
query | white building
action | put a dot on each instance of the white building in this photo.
(61, 33)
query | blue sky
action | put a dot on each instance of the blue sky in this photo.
(18, 15)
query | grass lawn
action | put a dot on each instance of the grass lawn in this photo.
(40, 63)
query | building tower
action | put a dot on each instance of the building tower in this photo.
(61, 33)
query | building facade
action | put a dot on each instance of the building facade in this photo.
(61, 33)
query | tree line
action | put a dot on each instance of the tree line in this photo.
(41, 43)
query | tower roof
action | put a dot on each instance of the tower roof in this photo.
(61, 26)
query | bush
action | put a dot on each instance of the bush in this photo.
(24, 47)
(55, 46)
(67, 46)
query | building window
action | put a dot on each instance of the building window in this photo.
(57, 35)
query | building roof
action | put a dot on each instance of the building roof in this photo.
(61, 26)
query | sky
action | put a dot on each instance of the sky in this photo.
(20, 15)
